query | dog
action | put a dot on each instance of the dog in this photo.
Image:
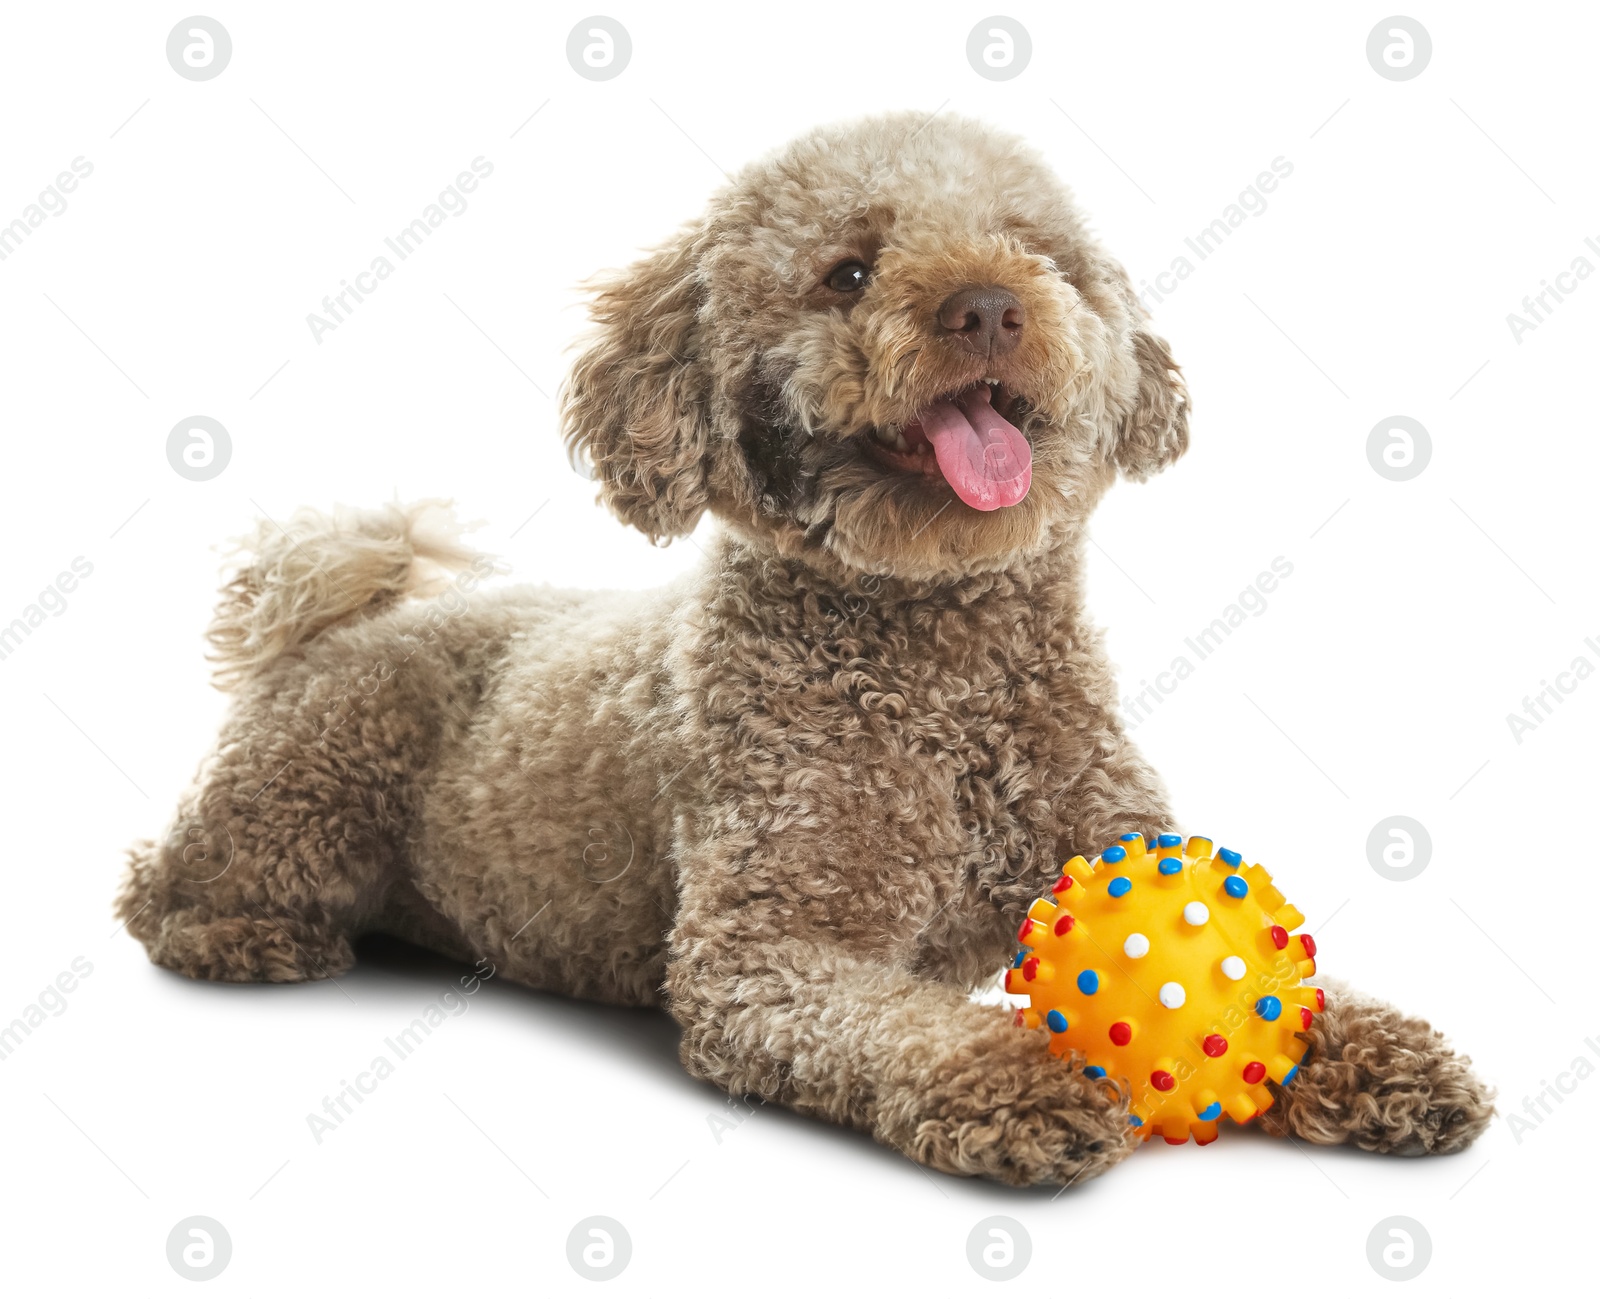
(803, 798)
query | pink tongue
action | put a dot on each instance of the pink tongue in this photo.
(981, 455)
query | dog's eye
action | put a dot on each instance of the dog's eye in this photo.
(847, 277)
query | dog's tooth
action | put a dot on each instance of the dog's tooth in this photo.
(890, 436)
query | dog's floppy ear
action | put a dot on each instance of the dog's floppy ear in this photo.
(635, 405)
(1155, 432)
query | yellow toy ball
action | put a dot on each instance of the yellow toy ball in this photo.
(1174, 968)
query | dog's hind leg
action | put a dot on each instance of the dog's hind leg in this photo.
(260, 879)
(198, 940)
(294, 834)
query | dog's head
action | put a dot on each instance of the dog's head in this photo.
(893, 343)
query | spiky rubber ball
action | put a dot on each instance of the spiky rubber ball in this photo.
(1172, 966)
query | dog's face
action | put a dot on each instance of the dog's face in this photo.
(893, 344)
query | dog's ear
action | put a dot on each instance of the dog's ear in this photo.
(634, 405)
(1155, 432)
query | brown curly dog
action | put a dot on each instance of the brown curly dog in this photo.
(803, 798)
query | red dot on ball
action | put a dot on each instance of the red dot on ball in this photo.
(1305, 1017)
(1030, 967)
(1162, 1081)
(1215, 1045)
(1255, 1071)
(1023, 932)
(1121, 1033)
(1309, 943)
(1064, 924)
(1018, 1019)
(1322, 999)
(1062, 884)
(1280, 937)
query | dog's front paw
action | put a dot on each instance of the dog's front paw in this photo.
(1015, 1113)
(1381, 1081)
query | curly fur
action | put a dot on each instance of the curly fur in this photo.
(298, 581)
(803, 798)
(1382, 1081)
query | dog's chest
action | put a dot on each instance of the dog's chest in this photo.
(984, 743)
(984, 738)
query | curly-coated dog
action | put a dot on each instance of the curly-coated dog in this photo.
(802, 798)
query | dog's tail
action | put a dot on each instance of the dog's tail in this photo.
(296, 581)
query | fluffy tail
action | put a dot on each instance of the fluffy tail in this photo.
(296, 581)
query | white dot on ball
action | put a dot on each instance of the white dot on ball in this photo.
(1197, 913)
(1233, 967)
(1172, 995)
(1136, 946)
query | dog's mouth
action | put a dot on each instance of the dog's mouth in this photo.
(966, 438)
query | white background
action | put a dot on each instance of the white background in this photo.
(1377, 682)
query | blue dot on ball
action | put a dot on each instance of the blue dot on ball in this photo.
(1093, 1071)
(1088, 983)
(1230, 857)
(1114, 854)
(1269, 1008)
(1170, 865)
(1057, 1021)
(1235, 886)
(1119, 886)
(1135, 1120)
(1021, 956)
(1289, 1077)
(1211, 1111)
(1169, 840)
(1128, 838)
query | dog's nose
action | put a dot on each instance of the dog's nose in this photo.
(983, 318)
